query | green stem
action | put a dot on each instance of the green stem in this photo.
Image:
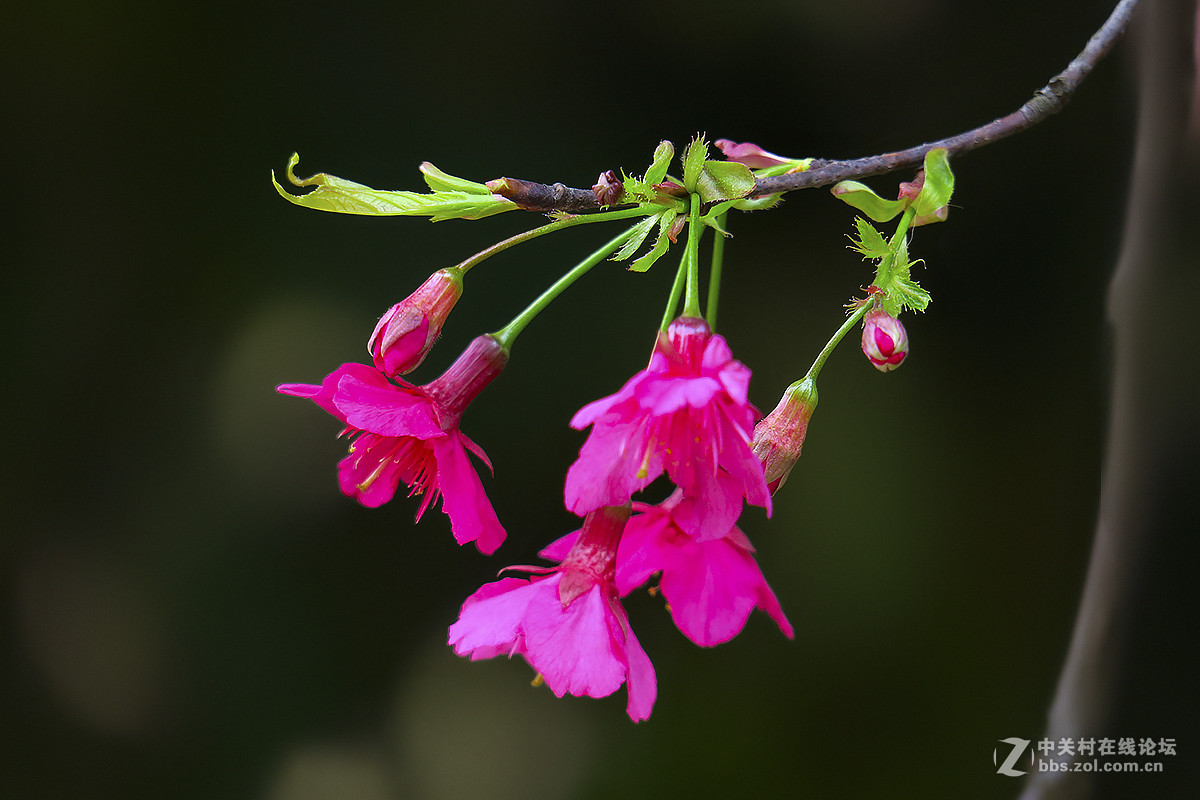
(506, 335)
(714, 275)
(676, 291)
(883, 275)
(691, 257)
(557, 225)
(850, 322)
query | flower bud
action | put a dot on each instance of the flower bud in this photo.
(884, 341)
(779, 436)
(406, 333)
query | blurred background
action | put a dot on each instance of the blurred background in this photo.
(190, 607)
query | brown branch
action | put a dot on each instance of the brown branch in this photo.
(1047, 101)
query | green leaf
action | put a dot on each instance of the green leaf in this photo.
(347, 197)
(693, 162)
(905, 293)
(757, 203)
(901, 291)
(661, 244)
(439, 181)
(939, 185)
(870, 242)
(865, 200)
(641, 231)
(724, 180)
(661, 162)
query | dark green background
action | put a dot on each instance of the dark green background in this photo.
(191, 608)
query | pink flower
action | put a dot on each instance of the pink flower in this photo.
(409, 434)
(569, 624)
(687, 413)
(884, 340)
(406, 333)
(710, 586)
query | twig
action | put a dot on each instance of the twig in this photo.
(1047, 101)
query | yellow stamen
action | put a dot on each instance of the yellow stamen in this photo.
(538, 681)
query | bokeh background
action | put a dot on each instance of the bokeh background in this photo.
(192, 610)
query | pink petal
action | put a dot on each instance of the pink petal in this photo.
(323, 395)
(491, 617)
(571, 647)
(376, 465)
(640, 554)
(641, 684)
(472, 518)
(386, 409)
(712, 587)
(668, 395)
(558, 549)
(712, 510)
(613, 464)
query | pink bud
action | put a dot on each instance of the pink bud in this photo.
(779, 436)
(406, 333)
(884, 341)
(750, 154)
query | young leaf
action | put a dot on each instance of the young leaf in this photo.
(347, 197)
(870, 242)
(865, 200)
(661, 162)
(905, 293)
(660, 245)
(757, 203)
(693, 162)
(641, 231)
(724, 180)
(439, 181)
(939, 184)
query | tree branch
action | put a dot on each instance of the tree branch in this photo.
(1047, 101)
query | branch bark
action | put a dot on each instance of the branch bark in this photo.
(1047, 101)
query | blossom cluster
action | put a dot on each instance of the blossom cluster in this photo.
(686, 415)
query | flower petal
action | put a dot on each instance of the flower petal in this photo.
(375, 405)
(571, 647)
(472, 518)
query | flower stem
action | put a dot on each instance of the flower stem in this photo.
(506, 335)
(673, 301)
(714, 275)
(691, 257)
(850, 322)
(557, 225)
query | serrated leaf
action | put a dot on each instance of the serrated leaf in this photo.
(347, 197)
(724, 180)
(862, 197)
(905, 293)
(661, 244)
(693, 162)
(439, 181)
(660, 163)
(757, 203)
(870, 242)
(939, 184)
(640, 232)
